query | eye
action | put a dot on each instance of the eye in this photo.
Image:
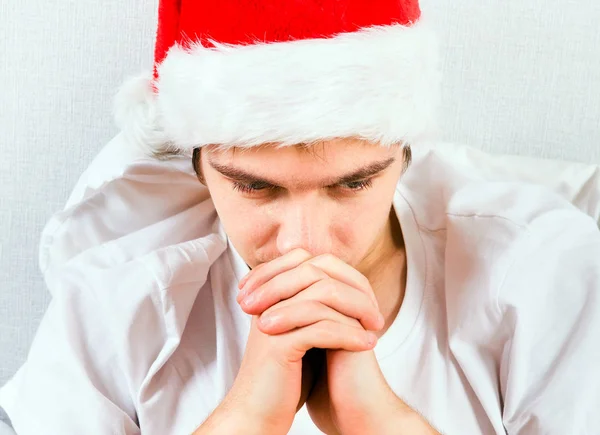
(357, 185)
(258, 186)
(251, 188)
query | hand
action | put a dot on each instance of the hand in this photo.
(351, 396)
(297, 288)
(303, 289)
(268, 388)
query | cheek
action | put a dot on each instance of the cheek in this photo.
(362, 226)
(246, 225)
(357, 225)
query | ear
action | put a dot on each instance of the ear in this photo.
(197, 164)
(406, 156)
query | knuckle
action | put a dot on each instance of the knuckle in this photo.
(313, 271)
(269, 311)
(313, 306)
(277, 287)
(355, 323)
(326, 258)
(272, 286)
(332, 290)
(327, 329)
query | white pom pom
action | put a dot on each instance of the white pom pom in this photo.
(136, 115)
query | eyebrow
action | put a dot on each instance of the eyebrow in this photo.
(361, 173)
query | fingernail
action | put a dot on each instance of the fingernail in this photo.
(245, 290)
(372, 339)
(249, 300)
(266, 320)
(239, 296)
(243, 280)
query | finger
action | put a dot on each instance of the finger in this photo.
(325, 334)
(298, 315)
(245, 278)
(346, 300)
(281, 287)
(342, 271)
(308, 282)
(267, 271)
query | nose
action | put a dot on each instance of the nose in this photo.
(305, 224)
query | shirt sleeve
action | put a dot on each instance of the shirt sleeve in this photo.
(71, 382)
(549, 304)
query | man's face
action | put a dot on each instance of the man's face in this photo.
(334, 197)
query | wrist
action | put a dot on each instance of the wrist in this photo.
(392, 416)
(239, 413)
(228, 419)
(404, 420)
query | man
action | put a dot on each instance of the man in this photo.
(316, 264)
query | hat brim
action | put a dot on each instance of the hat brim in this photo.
(379, 84)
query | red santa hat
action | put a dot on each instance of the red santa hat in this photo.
(245, 73)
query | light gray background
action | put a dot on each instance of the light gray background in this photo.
(520, 77)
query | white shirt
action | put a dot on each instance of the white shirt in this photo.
(499, 331)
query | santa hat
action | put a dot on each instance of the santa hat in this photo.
(245, 73)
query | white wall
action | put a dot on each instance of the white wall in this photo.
(60, 63)
(520, 77)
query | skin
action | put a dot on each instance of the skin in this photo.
(328, 263)
(353, 225)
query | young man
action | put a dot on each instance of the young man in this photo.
(308, 265)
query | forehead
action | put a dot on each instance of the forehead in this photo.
(336, 152)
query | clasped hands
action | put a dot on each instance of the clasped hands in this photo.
(298, 303)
